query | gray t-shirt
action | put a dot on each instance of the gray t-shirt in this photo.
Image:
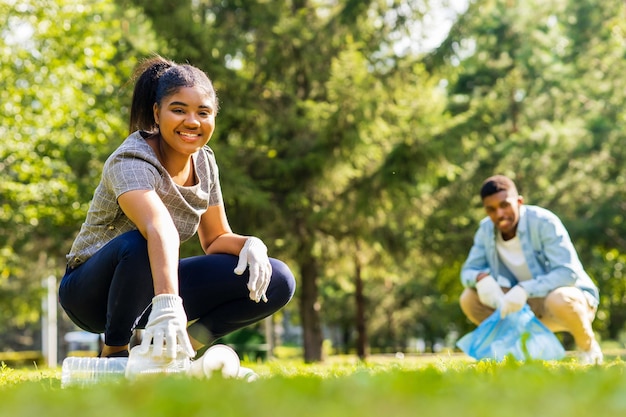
(135, 166)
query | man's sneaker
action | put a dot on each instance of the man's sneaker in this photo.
(593, 356)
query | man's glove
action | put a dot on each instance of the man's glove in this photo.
(513, 301)
(167, 328)
(489, 292)
(254, 256)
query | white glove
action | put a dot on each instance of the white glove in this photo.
(513, 301)
(167, 328)
(489, 292)
(254, 255)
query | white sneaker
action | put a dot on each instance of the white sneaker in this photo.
(593, 356)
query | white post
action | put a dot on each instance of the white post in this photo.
(49, 321)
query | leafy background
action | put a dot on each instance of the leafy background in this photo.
(356, 161)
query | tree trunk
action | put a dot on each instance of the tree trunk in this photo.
(361, 325)
(309, 311)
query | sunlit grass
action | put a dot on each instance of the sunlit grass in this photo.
(387, 386)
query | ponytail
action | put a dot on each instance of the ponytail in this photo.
(144, 95)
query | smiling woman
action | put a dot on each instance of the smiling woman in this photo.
(159, 188)
(186, 121)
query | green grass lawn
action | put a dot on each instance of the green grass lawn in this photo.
(443, 385)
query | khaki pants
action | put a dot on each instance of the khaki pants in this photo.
(565, 309)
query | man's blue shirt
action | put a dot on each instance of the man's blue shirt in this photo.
(547, 247)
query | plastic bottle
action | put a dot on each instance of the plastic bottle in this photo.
(216, 358)
(142, 364)
(81, 372)
(247, 374)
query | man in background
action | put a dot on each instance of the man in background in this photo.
(523, 254)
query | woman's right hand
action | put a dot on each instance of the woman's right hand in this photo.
(166, 330)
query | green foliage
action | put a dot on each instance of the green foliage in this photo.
(609, 272)
(339, 152)
(536, 93)
(62, 64)
(312, 101)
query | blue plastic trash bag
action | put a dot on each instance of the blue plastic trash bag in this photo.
(519, 334)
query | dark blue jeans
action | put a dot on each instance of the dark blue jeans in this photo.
(111, 292)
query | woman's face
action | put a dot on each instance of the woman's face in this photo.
(503, 210)
(186, 120)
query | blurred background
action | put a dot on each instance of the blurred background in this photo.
(352, 138)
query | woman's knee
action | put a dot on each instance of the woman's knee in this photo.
(283, 283)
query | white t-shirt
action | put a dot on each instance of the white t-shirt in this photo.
(511, 254)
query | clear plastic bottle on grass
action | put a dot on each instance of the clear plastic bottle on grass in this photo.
(143, 364)
(79, 371)
(83, 371)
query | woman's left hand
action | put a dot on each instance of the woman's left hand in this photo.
(254, 256)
